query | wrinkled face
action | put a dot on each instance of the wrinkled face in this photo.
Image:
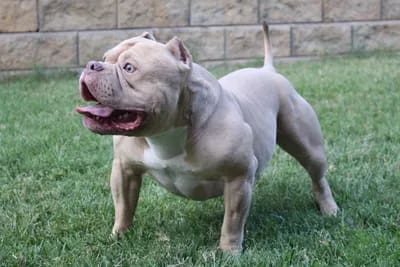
(136, 89)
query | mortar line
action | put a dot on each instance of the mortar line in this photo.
(322, 10)
(220, 26)
(291, 40)
(190, 13)
(381, 11)
(37, 16)
(258, 12)
(216, 26)
(225, 42)
(116, 14)
(352, 37)
(77, 49)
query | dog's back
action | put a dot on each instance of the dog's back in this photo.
(260, 93)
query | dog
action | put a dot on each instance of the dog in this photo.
(197, 136)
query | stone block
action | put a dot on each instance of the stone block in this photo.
(221, 67)
(211, 12)
(376, 36)
(213, 65)
(60, 15)
(203, 43)
(391, 9)
(18, 16)
(284, 11)
(25, 51)
(321, 39)
(93, 44)
(152, 13)
(339, 10)
(248, 42)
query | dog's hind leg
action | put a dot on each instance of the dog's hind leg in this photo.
(299, 134)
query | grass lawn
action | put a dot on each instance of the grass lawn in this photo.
(56, 207)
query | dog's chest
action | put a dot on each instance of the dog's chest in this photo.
(172, 169)
(165, 161)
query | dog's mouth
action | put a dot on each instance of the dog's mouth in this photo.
(103, 119)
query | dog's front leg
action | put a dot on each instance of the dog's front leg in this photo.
(125, 186)
(237, 199)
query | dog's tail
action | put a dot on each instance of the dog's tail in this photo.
(268, 58)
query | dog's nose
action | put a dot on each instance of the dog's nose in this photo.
(95, 65)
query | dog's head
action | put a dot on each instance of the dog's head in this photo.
(137, 87)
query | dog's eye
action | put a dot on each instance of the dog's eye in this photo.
(128, 67)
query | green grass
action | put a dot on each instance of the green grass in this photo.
(56, 207)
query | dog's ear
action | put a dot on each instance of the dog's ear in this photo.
(180, 52)
(148, 35)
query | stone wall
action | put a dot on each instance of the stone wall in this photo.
(66, 34)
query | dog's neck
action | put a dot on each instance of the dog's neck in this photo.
(168, 144)
(200, 97)
(198, 102)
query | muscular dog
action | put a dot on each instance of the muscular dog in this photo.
(199, 137)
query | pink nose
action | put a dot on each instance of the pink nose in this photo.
(95, 65)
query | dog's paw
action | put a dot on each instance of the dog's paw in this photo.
(116, 235)
(328, 207)
(118, 232)
(233, 250)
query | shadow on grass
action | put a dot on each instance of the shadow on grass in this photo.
(273, 213)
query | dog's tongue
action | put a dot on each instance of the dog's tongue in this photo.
(97, 110)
